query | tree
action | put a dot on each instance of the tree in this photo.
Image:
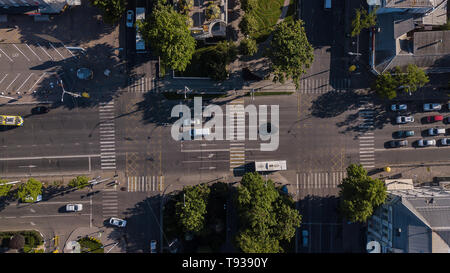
(413, 79)
(248, 47)
(248, 24)
(267, 217)
(190, 210)
(17, 242)
(217, 58)
(356, 23)
(79, 182)
(112, 9)
(363, 20)
(248, 5)
(29, 191)
(360, 194)
(386, 86)
(4, 189)
(290, 52)
(167, 33)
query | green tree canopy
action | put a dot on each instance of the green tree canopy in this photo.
(191, 210)
(248, 25)
(360, 194)
(266, 216)
(29, 191)
(4, 189)
(413, 79)
(363, 20)
(79, 182)
(386, 86)
(167, 33)
(112, 9)
(248, 47)
(290, 52)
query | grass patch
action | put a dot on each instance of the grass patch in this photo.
(176, 96)
(32, 239)
(269, 93)
(90, 245)
(267, 13)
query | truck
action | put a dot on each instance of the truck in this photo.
(270, 166)
(140, 43)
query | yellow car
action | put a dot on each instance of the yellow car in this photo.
(11, 120)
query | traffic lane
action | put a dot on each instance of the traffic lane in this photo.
(61, 131)
(412, 155)
(71, 164)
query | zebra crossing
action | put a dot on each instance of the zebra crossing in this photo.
(323, 85)
(141, 85)
(319, 180)
(110, 203)
(145, 183)
(107, 136)
(237, 136)
(367, 139)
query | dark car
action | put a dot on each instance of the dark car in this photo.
(402, 134)
(398, 143)
(40, 110)
(435, 118)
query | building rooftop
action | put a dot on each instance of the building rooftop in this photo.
(431, 43)
(410, 3)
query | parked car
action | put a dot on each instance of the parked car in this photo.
(40, 110)
(432, 107)
(447, 119)
(29, 199)
(117, 222)
(130, 18)
(404, 119)
(398, 107)
(431, 119)
(398, 143)
(74, 207)
(436, 131)
(445, 141)
(85, 73)
(426, 142)
(305, 237)
(153, 246)
(401, 134)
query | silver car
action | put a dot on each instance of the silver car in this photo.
(117, 222)
(74, 207)
(398, 107)
(432, 107)
(436, 131)
(130, 18)
(445, 141)
(426, 142)
(404, 119)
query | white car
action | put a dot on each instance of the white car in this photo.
(130, 18)
(74, 207)
(432, 107)
(436, 131)
(117, 222)
(29, 199)
(398, 107)
(445, 141)
(426, 142)
(188, 122)
(153, 246)
(404, 119)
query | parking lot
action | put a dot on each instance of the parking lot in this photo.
(29, 68)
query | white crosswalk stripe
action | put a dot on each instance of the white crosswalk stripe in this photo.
(367, 139)
(110, 203)
(323, 85)
(145, 183)
(237, 144)
(107, 136)
(141, 85)
(320, 180)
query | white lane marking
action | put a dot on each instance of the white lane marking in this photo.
(57, 51)
(45, 51)
(37, 82)
(34, 52)
(6, 55)
(4, 78)
(56, 215)
(18, 89)
(48, 157)
(12, 81)
(22, 52)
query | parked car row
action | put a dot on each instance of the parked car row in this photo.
(420, 143)
(427, 107)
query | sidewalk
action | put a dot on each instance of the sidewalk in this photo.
(111, 239)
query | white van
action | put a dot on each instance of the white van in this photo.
(327, 4)
(199, 132)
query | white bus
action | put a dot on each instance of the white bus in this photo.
(270, 166)
(140, 43)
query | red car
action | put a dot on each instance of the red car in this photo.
(435, 118)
